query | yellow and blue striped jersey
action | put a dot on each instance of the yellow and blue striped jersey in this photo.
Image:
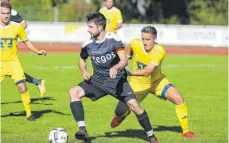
(141, 59)
(113, 17)
(9, 38)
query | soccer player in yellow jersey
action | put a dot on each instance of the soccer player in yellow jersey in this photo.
(113, 16)
(10, 63)
(40, 83)
(146, 77)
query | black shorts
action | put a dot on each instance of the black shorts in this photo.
(98, 87)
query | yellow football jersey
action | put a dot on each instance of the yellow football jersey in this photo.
(9, 38)
(113, 17)
(141, 59)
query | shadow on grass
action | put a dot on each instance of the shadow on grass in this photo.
(135, 133)
(37, 114)
(34, 101)
(159, 128)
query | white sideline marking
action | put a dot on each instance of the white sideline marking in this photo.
(168, 66)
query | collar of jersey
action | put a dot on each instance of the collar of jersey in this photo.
(155, 46)
(105, 37)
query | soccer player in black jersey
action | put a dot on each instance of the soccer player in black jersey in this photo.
(109, 76)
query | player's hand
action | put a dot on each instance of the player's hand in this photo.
(42, 52)
(86, 76)
(113, 72)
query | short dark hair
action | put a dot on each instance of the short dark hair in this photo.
(97, 18)
(149, 29)
(6, 4)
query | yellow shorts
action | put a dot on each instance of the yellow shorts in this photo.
(158, 88)
(13, 69)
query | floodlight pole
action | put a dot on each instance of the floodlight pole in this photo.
(56, 14)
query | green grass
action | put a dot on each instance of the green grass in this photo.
(202, 80)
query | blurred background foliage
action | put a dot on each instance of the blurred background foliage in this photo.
(195, 12)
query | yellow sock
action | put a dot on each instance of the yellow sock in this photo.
(26, 102)
(181, 111)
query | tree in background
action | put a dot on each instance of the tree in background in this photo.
(43, 10)
(209, 12)
(154, 11)
(34, 10)
(199, 12)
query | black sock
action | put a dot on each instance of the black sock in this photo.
(77, 110)
(143, 119)
(31, 79)
(28, 78)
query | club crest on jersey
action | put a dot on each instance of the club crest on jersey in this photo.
(141, 65)
(6, 43)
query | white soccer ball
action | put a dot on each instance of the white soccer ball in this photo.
(58, 135)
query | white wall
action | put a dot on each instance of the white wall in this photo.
(179, 35)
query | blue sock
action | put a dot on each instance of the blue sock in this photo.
(35, 81)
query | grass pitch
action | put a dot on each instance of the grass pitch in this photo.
(203, 81)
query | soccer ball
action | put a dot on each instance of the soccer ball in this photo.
(58, 135)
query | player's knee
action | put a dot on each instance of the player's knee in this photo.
(22, 88)
(134, 106)
(75, 93)
(175, 96)
(178, 100)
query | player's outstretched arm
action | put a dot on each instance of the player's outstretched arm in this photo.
(143, 72)
(32, 48)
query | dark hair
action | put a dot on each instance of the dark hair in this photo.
(97, 18)
(6, 4)
(149, 29)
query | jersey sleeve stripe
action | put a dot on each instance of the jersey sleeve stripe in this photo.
(120, 49)
(24, 40)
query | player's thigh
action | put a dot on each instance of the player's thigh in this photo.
(138, 87)
(92, 90)
(141, 95)
(16, 72)
(124, 92)
(173, 95)
(4, 70)
(161, 87)
(141, 90)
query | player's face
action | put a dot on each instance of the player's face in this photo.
(148, 41)
(5, 15)
(109, 4)
(93, 29)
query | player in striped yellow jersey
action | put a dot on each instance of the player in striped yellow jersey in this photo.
(146, 77)
(113, 16)
(10, 63)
